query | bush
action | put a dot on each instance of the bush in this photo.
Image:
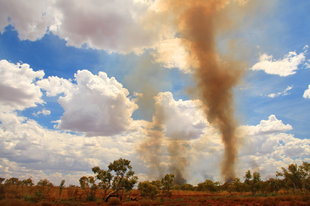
(15, 202)
(114, 201)
(30, 198)
(90, 197)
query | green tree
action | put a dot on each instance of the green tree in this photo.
(238, 185)
(167, 184)
(44, 187)
(157, 183)
(119, 176)
(105, 178)
(28, 182)
(89, 186)
(61, 186)
(188, 187)
(128, 183)
(147, 189)
(208, 185)
(177, 187)
(305, 170)
(12, 181)
(293, 176)
(253, 181)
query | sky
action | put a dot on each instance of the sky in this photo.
(86, 83)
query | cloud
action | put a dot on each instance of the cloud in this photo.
(172, 54)
(55, 85)
(182, 119)
(96, 105)
(284, 93)
(28, 149)
(115, 26)
(43, 111)
(282, 67)
(30, 19)
(272, 125)
(307, 93)
(18, 90)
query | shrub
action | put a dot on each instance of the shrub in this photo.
(30, 198)
(114, 201)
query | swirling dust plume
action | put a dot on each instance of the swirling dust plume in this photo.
(199, 23)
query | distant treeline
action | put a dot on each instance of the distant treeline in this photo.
(119, 180)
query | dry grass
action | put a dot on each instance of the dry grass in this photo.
(15, 202)
(305, 198)
(131, 204)
(145, 202)
(189, 193)
(114, 201)
(45, 204)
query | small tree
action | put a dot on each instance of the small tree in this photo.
(43, 184)
(147, 189)
(188, 187)
(305, 167)
(28, 182)
(167, 184)
(105, 178)
(12, 181)
(177, 187)
(61, 186)
(254, 183)
(89, 186)
(119, 176)
(293, 176)
(157, 183)
(208, 185)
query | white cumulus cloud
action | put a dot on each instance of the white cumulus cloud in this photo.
(307, 93)
(282, 67)
(30, 18)
(96, 105)
(182, 119)
(272, 125)
(115, 26)
(18, 90)
(45, 112)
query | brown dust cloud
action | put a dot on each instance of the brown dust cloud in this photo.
(199, 24)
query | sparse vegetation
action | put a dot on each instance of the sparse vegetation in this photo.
(289, 187)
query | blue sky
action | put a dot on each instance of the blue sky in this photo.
(101, 60)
